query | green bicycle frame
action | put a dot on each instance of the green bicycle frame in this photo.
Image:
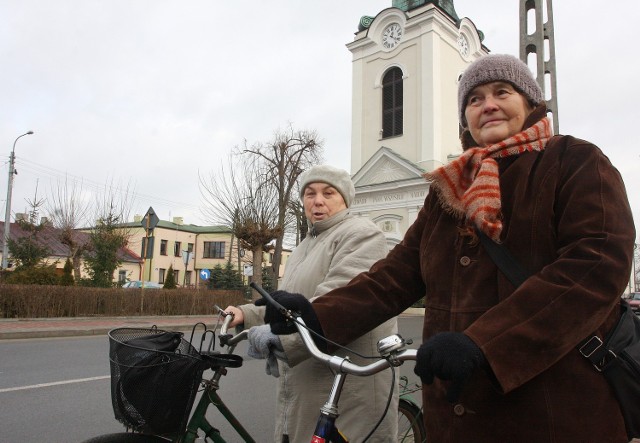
(199, 421)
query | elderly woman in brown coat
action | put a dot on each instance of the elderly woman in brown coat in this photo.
(499, 362)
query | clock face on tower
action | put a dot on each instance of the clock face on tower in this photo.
(463, 45)
(391, 36)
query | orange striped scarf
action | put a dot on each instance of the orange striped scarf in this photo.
(469, 186)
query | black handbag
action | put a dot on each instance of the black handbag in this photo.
(617, 356)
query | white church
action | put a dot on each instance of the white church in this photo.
(406, 65)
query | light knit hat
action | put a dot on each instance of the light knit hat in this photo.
(338, 178)
(494, 68)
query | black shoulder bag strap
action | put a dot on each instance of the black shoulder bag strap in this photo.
(507, 264)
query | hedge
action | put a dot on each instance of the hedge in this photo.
(40, 301)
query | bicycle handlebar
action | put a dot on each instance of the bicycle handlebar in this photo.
(227, 339)
(392, 349)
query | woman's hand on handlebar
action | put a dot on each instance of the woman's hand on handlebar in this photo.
(238, 316)
(298, 305)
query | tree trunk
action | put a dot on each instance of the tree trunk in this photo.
(257, 270)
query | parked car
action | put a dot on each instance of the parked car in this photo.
(138, 284)
(634, 301)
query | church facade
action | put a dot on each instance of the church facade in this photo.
(406, 63)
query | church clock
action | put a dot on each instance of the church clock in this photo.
(391, 36)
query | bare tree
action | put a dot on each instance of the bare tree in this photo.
(237, 197)
(281, 162)
(67, 212)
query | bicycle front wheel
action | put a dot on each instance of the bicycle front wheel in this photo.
(410, 425)
(127, 437)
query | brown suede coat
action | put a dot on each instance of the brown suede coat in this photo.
(568, 221)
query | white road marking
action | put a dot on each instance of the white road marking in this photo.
(55, 383)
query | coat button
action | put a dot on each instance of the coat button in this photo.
(465, 261)
(458, 409)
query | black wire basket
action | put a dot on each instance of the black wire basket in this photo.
(155, 376)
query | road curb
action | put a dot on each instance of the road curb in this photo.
(22, 331)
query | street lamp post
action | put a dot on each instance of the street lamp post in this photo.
(7, 213)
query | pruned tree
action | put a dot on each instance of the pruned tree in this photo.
(280, 162)
(237, 197)
(107, 237)
(636, 269)
(299, 219)
(67, 211)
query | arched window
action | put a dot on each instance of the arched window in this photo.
(392, 103)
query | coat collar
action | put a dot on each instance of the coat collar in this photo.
(321, 226)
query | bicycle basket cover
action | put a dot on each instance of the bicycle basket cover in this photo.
(154, 379)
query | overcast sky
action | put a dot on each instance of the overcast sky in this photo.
(152, 93)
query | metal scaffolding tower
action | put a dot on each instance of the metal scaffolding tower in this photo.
(541, 43)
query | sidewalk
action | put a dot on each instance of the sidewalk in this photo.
(77, 326)
(14, 328)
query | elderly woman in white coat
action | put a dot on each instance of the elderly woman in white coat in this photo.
(337, 248)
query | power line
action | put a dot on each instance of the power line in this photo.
(83, 183)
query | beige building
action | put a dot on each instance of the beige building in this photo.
(406, 64)
(188, 249)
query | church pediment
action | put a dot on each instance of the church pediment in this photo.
(385, 166)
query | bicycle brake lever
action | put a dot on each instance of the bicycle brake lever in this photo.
(284, 311)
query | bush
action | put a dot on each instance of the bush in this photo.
(34, 275)
(39, 301)
(67, 274)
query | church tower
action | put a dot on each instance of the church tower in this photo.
(406, 65)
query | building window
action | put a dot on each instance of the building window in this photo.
(176, 249)
(122, 276)
(392, 103)
(161, 273)
(176, 276)
(190, 247)
(163, 247)
(187, 278)
(213, 249)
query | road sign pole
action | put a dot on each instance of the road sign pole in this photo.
(149, 222)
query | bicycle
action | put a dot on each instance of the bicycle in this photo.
(410, 421)
(392, 350)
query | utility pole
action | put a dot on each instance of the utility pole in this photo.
(541, 42)
(7, 212)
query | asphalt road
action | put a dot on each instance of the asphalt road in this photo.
(57, 390)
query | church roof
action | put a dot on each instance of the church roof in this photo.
(407, 5)
(386, 166)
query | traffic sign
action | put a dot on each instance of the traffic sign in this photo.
(205, 274)
(150, 219)
(186, 256)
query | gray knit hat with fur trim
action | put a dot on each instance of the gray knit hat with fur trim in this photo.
(338, 178)
(493, 68)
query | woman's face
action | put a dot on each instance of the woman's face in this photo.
(321, 201)
(495, 111)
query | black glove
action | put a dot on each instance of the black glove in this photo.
(450, 356)
(296, 303)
